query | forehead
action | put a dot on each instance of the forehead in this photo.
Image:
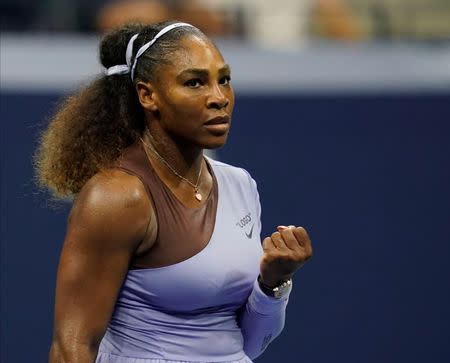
(196, 52)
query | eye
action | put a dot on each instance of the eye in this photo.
(225, 80)
(194, 83)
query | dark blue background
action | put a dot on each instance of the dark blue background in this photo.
(367, 175)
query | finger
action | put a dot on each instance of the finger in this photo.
(268, 245)
(289, 239)
(278, 241)
(302, 237)
(282, 228)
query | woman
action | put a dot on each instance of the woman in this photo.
(162, 259)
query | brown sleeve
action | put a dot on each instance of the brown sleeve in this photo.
(108, 221)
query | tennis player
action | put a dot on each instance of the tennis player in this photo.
(162, 261)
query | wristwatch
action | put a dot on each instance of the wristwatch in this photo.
(277, 292)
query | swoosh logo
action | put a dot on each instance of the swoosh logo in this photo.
(249, 235)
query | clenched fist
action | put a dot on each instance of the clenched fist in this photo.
(285, 251)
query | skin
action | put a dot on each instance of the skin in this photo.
(186, 95)
(112, 224)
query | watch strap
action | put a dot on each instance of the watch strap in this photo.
(278, 291)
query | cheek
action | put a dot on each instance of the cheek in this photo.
(232, 97)
(183, 113)
(189, 105)
(176, 103)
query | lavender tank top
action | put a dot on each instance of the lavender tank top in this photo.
(187, 311)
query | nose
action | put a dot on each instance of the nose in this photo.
(217, 98)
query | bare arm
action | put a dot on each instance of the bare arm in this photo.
(107, 222)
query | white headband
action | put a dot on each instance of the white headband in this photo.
(129, 68)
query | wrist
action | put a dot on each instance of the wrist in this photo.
(279, 291)
(273, 282)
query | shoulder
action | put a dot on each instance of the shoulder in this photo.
(229, 170)
(114, 186)
(113, 198)
(232, 174)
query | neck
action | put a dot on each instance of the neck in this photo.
(185, 159)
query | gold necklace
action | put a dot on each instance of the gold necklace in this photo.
(197, 193)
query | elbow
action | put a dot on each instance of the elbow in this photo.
(256, 346)
(56, 354)
(65, 351)
(256, 350)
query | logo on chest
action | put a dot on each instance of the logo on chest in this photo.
(246, 224)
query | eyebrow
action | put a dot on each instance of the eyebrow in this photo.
(203, 72)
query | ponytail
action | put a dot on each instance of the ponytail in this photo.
(92, 127)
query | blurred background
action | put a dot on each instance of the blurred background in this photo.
(343, 119)
(296, 21)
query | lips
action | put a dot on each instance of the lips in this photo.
(218, 120)
(218, 126)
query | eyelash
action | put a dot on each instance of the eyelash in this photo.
(195, 82)
(192, 82)
(227, 78)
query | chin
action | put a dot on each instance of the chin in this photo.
(216, 142)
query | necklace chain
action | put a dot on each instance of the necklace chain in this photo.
(197, 195)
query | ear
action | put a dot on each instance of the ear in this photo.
(147, 96)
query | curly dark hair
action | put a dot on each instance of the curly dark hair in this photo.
(91, 128)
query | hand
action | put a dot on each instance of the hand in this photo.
(285, 251)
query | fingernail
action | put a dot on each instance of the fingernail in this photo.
(291, 226)
(282, 227)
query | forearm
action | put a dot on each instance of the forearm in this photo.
(261, 321)
(77, 353)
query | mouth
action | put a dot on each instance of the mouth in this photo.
(218, 126)
(218, 120)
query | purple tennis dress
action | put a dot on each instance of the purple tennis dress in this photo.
(207, 308)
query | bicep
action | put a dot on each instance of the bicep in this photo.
(102, 234)
(86, 289)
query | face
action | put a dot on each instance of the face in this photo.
(193, 96)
